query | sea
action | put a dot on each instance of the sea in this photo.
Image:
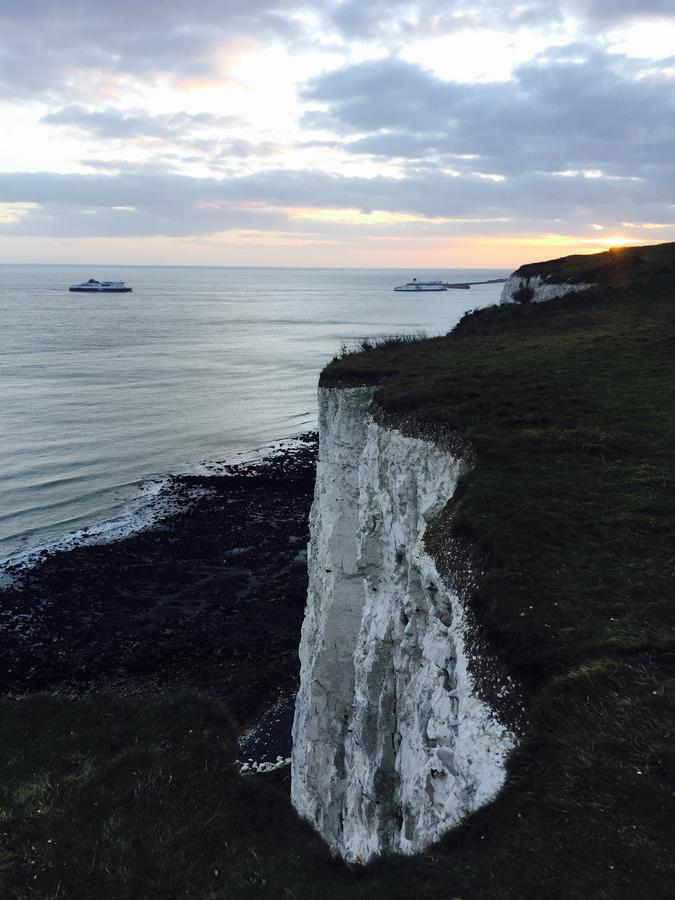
(103, 397)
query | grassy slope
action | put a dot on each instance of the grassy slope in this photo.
(570, 407)
(617, 267)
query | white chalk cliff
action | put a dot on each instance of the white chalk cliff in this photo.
(542, 289)
(391, 745)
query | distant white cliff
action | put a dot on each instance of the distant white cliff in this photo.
(391, 745)
(537, 288)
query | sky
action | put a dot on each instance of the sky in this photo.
(337, 133)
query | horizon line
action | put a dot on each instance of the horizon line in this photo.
(318, 268)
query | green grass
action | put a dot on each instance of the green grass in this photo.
(569, 410)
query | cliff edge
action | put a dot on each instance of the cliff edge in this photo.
(617, 267)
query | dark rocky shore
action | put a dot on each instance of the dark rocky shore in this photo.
(209, 598)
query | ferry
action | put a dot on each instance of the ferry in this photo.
(416, 285)
(100, 287)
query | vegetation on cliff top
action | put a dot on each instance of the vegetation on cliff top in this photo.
(618, 267)
(569, 408)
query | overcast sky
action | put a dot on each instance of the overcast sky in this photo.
(345, 133)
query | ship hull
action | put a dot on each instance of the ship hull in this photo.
(418, 290)
(82, 290)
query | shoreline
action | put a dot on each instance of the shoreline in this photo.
(209, 597)
(139, 511)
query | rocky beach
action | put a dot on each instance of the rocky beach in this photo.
(210, 597)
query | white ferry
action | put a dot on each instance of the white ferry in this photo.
(101, 287)
(416, 285)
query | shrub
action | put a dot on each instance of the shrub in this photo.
(366, 344)
(523, 293)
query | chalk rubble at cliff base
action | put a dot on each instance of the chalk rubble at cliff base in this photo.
(391, 745)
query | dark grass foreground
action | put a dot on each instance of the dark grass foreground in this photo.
(569, 408)
(116, 798)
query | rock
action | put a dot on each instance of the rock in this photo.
(539, 289)
(391, 746)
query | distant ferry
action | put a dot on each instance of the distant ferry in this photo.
(416, 285)
(101, 287)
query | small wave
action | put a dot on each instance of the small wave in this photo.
(63, 502)
(153, 502)
(139, 514)
(255, 455)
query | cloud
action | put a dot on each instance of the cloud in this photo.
(621, 10)
(56, 49)
(427, 18)
(182, 138)
(572, 108)
(75, 48)
(169, 204)
(577, 135)
(119, 124)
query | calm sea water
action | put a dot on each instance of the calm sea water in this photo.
(102, 396)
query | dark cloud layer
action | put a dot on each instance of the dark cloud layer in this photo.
(163, 203)
(573, 108)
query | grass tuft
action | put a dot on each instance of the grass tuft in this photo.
(378, 342)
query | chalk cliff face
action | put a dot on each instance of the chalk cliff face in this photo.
(540, 288)
(391, 746)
